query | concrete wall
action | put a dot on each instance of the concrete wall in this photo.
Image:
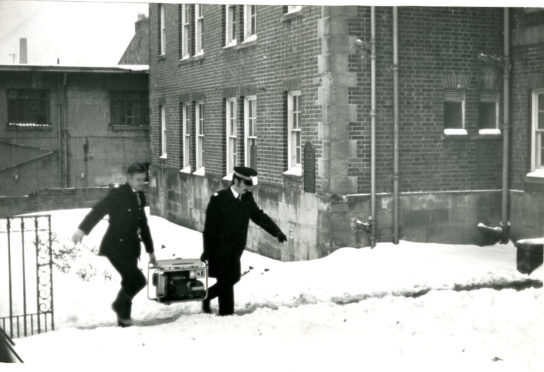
(110, 149)
(51, 199)
(183, 198)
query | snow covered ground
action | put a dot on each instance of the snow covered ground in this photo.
(357, 309)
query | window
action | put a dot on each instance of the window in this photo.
(28, 108)
(186, 140)
(293, 8)
(488, 111)
(537, 140)
(162, 112)
(199, 122)
(294, 132)
(199, 28)
(185, 30)
(128, 108)
(250, 21)
(454, 113)
(162, 31)
(231, 22)
(232, 135)
(250, 126)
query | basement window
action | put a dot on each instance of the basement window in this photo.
(454, 113)
(129, 108)
(28, 108)
(488, 113)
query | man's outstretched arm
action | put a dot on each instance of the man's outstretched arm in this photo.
(263, 220)
(91, 219)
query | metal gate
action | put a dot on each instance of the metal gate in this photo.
(26, 275)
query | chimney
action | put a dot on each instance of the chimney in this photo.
(23, 54)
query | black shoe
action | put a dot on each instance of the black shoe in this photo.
(122, 308)
(206, 308)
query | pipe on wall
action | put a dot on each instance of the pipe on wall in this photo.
(505, 222)
(65, 129)
(395, 127)
(372, 127)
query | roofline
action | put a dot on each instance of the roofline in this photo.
(129, 69)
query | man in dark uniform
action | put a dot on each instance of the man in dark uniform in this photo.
(225, 234)
(121, 243)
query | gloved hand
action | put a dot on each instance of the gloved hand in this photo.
(281, 237)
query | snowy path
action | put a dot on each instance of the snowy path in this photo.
(343, 311)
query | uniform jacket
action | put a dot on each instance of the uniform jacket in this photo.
(225, 231)
(127, 223)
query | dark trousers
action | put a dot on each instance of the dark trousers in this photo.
(224, 291)
(132, 278)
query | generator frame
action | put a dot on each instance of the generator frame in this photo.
(173, 266)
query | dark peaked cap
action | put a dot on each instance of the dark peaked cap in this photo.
(246, 173)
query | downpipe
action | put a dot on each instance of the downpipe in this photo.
(502, 232)
(395, 127)
(372, 219)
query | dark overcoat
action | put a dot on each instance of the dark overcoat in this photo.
(225, 232)
(127, 223)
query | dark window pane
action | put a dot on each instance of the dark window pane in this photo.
(129, 108)
(541, 120)
(28, 107)
(453, 115)
(488, 115)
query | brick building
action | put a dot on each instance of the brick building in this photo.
(73, 126)
(289, 90)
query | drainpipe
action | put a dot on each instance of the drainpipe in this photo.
(505, 223)
(395, 126)
(65, 129)
(372, 127)
(60, 116)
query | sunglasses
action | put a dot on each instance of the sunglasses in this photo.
(248, 183)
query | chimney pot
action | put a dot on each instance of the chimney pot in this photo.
(23, 53)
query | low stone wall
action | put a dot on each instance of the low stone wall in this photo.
(51, 199)
(527, 214)
(319, 224)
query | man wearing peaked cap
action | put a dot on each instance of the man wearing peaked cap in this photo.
(121, 244)
(225, 235)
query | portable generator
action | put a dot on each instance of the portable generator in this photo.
(178, 280)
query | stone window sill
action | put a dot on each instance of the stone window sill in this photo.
(30, 126)
(295, 172)
(161, 57)
(128, 127)
(489, 132)
(200, 172)
(291, 15)
(187, 170)
(191, 60)
(228, 177)
(163, 157)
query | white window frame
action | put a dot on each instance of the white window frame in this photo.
(186, 133)
(461, 97)
(293, 166)
(228, 22)
(164, 137)
(248, 36)
(199, 137)
(162, 30)
(293, 8)
(199, 29)
(231, 135)
(247, 125)
(185, 31)
(495, 130)
(537, 169)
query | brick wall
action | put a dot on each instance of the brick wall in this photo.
(434, 43)
(284, 56)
